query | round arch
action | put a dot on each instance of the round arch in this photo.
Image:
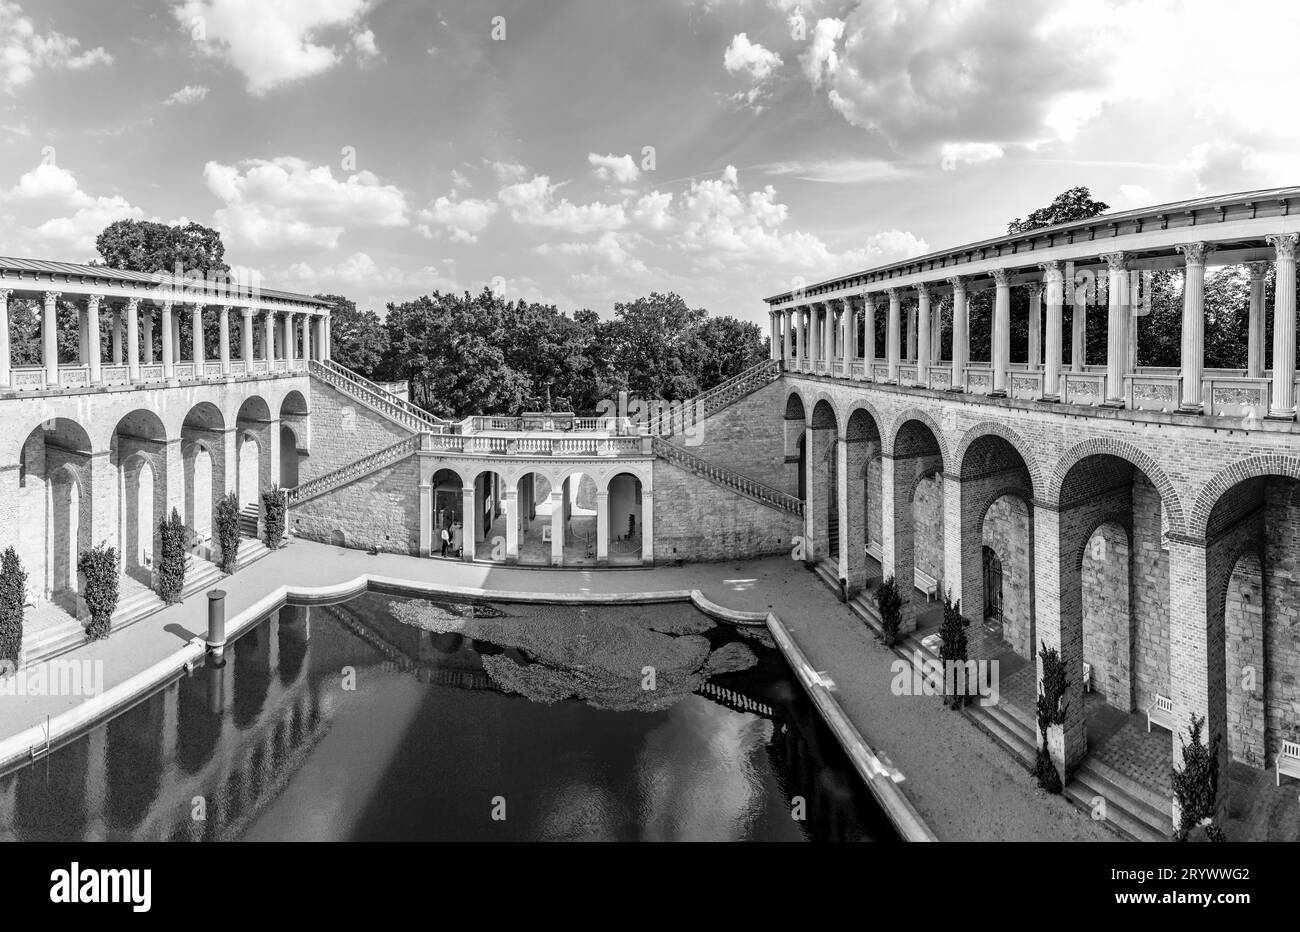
(924, 418)
(1255, 467)
(1013, 439)
(1135, 457)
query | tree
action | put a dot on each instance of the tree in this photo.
(13, 594)
(654, 347)
(226, 524)
(358, 339)
(729, 347)
(149, 246)
(890, 604)
(1196, 783)
(952, 651)
(273, 505)
(1051, 709)
(171, 568)
(98, 567)
(1073, 204)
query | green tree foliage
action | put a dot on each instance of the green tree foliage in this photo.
(1072, 204)
(1051, 709)
(358, 339)
(171, 568)
(13, 590)
(149, 246)
(225, 522)
(273, 506)
(98, 569)
(1196, 783)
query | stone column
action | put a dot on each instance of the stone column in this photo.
(848, 339)
(6, 354)
(647, 526)
(869, 335)
(911, 333)
(1054, 283)
(892, 335)
(774, 336)
(923, 335)
(557, 525)
(117, 335)
(197, 339)
(1255, 328)
(1283, 405)
(308, 321)
(802, 348)
(828, 336)
(512, 524)
(1078, 293)
(148, 336)
(327, 347)
(936, 332)
(786, 341)
(290, 350)
(176, 338)
(602, 527)
(814, 337)
(49, 338)
(223, 342)
(469, 518)
(268, 351)
(92, 338)
(1001, 354)
(133, 341)
(1117, 327)
(168, 350)
(960, 338)
(83, 345)
(1035, 324)
(1192, 360)
(246, 338)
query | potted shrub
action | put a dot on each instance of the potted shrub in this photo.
(98, 569)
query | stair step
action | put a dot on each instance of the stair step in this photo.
(1131, 815)
(1152, 798)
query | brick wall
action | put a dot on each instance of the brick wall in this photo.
(1150, 596)
(694, 519)
(1247, 672)
(748, 437)
(343, 430)
(1105, 577)
(381, 510)
(1282, 612)
(1006, 533)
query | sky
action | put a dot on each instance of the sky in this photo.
(588, 152)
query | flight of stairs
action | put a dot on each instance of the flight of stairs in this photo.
(248, 520)
(727, 479)
(720, 396)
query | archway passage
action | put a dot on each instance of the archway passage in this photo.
(821, 509)
(490, 506)
(257, 451)
(288, 457)
(916, 504)
(580, 502)
(293, 437)
(140, 450)
(626, 527)
(533, 501)
(795, 423)
(860, 495)
(203, 454)
(448, 514)
(249, 458)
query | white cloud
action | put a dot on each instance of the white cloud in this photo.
(287, 202)
(821, 59)
(275, 42)
(841, 171)
(652, 210)
(189, 94)
(533, 203)
(968, 153)
(1135, 195)
(612, 167)
(750, 59)
(609, 249)
(24, 49)
(508, 172)
(360, 269)
(462, 219)
(79, 217)
(364, 42)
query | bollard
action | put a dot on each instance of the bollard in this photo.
(216, 622)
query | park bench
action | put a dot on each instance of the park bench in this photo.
(1087, 676)
(1161, 712)
(1288, 760)
(874, 551)
(927, 584)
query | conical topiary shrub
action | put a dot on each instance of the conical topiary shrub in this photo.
(273, 506)
(98, 569)
(13, 593)
(226, 526)
(171, 568)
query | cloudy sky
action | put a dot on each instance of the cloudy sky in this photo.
(587, 152)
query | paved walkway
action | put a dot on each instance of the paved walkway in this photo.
(963, 784)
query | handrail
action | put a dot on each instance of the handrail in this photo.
(724, 477)
(400, 410)
(352, 471)
(720, 395)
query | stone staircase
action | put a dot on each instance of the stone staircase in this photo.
(398, 410)
(349, 472)
(727, 479)
(720, 396)
(248, 520)
(136, 601)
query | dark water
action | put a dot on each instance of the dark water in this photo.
(349, 722)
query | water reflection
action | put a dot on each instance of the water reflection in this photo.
(273, 744)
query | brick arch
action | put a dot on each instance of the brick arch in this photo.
(916, 414)
(1007, 491)
(1253, 468)
(1246, 549)
(830, 403)
(871, 412)
(994, 429)
(1122, 521)
(795, 395)
(921, 477)
(1107, 446)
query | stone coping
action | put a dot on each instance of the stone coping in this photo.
(880, 780)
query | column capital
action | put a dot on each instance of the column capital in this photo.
(1284, 243)
(226, 308)
(247, 312)
(1195, 253)
(1035, 289)
(895, 294)
(1258, 269)
(94, 300)
(197, 305)
(1001, 277)
(1115, 261)
(5, 293)
(52, 296)
(923, 290)
(132, 304)
(1051, 269)
(958, 283)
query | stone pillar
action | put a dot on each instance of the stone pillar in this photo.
(426, 518)
(1255, 327)
(290, 350)
(1078, 293)
(1193, 346)
(1283, 405)
(647, 526)
(923, 335)
(268, 349)
(308, 322)
(1001, 354)
(954, 530)
(327, 347)
(148, 336)
(1117, 328)
(892, 335)
(1054, 283)
(960, 337)
(802, 348)
(469, 520)
(177, 354)
(557, 525)
(602, 528)
(133, 341)
(246, 338)
(223, 341)
(168, 350)
(852, 453)
(869, 335)
(814, 338)
(116, 329)
(512, 524)
(196, 338)
(774, 336)
(6, 352)
(911, 333)
(49, 338)
(83, 347)
(1035, 325)
(92, 339)
(1058, 606)
(848, 337)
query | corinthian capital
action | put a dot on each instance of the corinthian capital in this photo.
(1194, 253)
(958, 283)
(1001, 278)
(1116, 261)
(1258, 269)
(1284, 243)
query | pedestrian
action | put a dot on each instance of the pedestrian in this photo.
(446, 541)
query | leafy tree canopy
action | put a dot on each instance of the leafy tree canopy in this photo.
(1074, 204)
(149, 246)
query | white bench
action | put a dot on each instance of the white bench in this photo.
(1087, 676)
(31, 595)
(874, 551)
(927, 584)
(1288, 760)
(1161, 712)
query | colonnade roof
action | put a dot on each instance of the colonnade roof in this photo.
(1105, 231)
(36, 273)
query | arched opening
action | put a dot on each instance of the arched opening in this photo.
(533, 495)
(139, 449)
(249, 453)
(53, 526)
(138, 532)
(448, 514)
(203, 459)
(821, 509)
(288, 457)
(626, 528)
(293, 438)
(795, 422)
(1006, 604)
(1107, 618)
(253, 421)
(917, 492)
(490, 510)
(579, 500)
(860, 564)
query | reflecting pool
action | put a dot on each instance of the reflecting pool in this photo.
(390, 718)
